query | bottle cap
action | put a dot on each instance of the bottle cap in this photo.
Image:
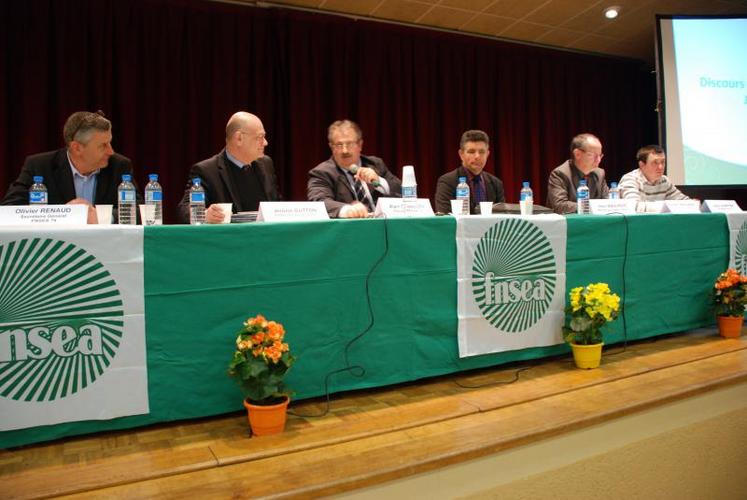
(153, 177)
(196, 181)
(126, 177)
(462, 179)
(38, 179)
(582, 182)
(526, 184)
(613, 185)
(408, 175)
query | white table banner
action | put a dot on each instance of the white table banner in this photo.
(72, 325)
(510, 282)
(738, 241)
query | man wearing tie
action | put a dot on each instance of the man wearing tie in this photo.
(240, 174)
(86, 171)
(586, 154)
(474, 149)
(349, 183)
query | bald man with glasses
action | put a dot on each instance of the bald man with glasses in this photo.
(350, 183)
(241, 174)
(586, 155)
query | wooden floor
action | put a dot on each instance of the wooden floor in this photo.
(373, 436)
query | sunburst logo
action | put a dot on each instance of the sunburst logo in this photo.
(513, 275)
(61, 319)
(740, 250)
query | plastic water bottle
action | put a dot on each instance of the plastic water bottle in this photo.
(582, 197)
(614, 191)
(38, 191)
(462, 193)
(196, 202)
(154, 196)
(409, 186)
(127, 201)
(526, 199)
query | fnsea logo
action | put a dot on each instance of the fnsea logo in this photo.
(740, 250)
(61, 319)
(513, 275)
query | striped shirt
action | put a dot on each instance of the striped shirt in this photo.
(635, 186)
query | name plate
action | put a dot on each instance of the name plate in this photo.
(721, 206)
(291, 211)
(69, 215)
(605, 207)
(681, 206)
(398, 208)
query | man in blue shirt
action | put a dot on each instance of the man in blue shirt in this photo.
(85, 171)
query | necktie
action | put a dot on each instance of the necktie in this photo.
(479, 194)
(360, 193)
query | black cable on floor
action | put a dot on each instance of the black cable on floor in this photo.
(515, 378)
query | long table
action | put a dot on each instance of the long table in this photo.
(317, 278)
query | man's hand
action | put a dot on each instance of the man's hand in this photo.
(355, 210)
(214, 214)
(367, 175)
(92, 219)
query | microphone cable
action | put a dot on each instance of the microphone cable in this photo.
(354, 370)
(514, 378)
(624, 290)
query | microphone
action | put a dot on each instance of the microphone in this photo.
(354, 170)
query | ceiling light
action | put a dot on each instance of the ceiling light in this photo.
(611, 12)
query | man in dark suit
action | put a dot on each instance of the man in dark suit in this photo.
(586, 155)
(349, 183)
(86, 171)
(240, 174)
(474, 149)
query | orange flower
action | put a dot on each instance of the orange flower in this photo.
(275, 331)
(258, 320)
(258, 338)
(273, 353)
(257, 352)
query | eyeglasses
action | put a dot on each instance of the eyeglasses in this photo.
(257, 137)
(86, 122)
(341, 145)
(593, 155)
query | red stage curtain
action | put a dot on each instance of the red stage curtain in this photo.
(169, 73)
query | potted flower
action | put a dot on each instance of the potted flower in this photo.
(591, 307)
(729, 300)
(259, 364)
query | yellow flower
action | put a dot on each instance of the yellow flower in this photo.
(576, 298)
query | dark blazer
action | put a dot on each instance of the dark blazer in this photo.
(219, 188)
(562, 184)
(446, 190)
(58, 178)
(329, 184)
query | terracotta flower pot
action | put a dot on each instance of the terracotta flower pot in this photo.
(266, 420)
(730, 327)
(587, 356)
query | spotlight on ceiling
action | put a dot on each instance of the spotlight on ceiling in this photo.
(611, 12)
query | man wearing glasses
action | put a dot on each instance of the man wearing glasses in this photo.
(86, 171)
(349, 183)
(586, 154)
(240, 174)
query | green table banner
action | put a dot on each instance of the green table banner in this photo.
(316, 278)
